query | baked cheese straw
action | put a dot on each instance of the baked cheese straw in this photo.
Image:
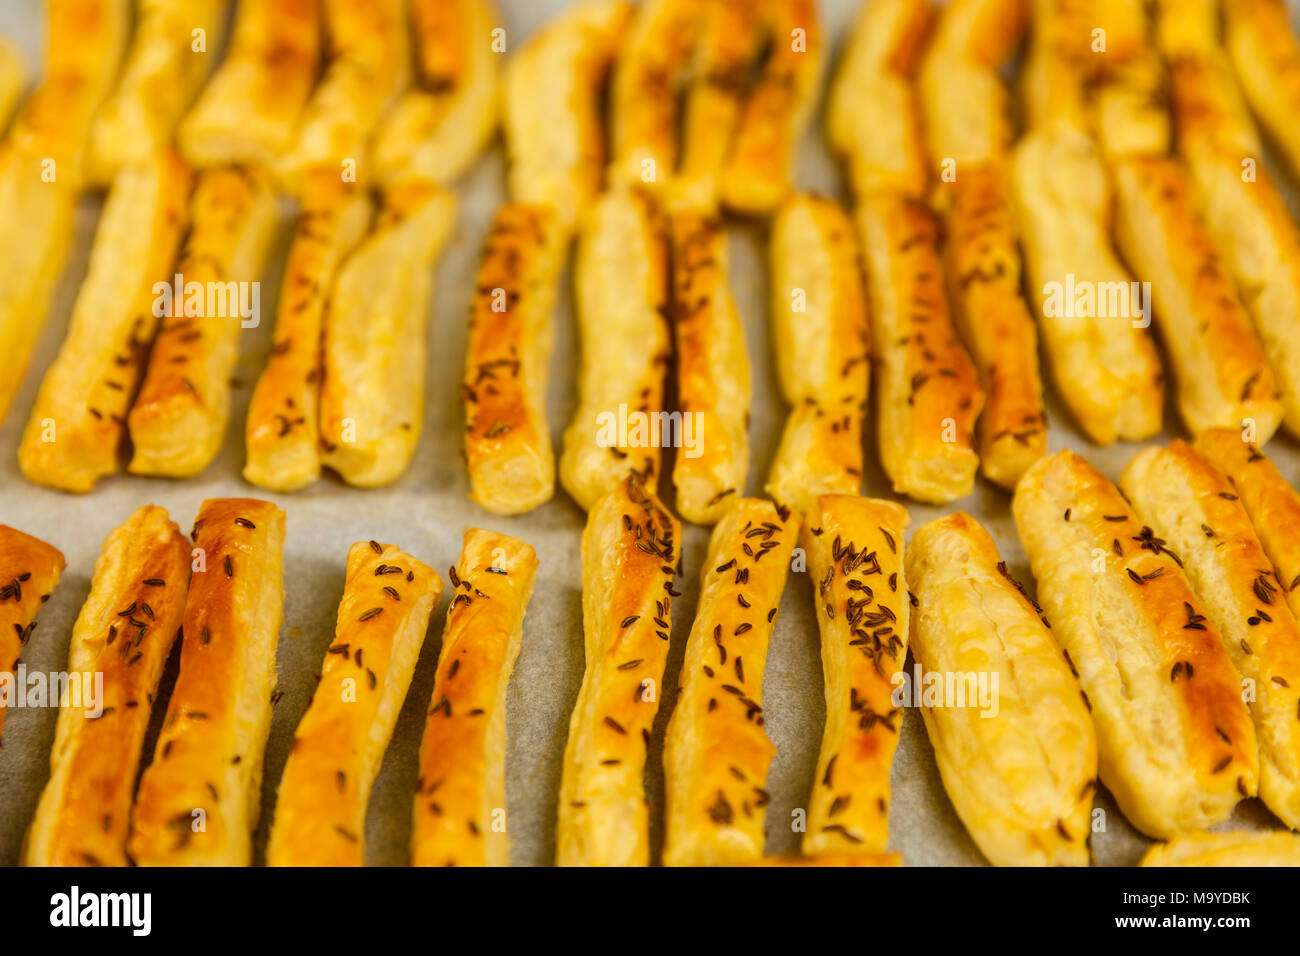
(165, 65)
(199, 799)
(554, 130)
(283, 426)
(1175, 743)
(372, 396)
(716, 753)
(124, 632)
(760, 170)
(249, 109)
(1226, 849)
(1020, 768)
(621, 291)
(76, 427)
(178, 421)
(629, 556)
(713, 374)
(460, 800)
(927, 393)
(1191, 504)
(1265, 52)
(29, 570)
(819, 324)
(508, 442)
(833, 859)
(320, 811)
(13, 77)
(1272, 503)
(855, 563)
(369, 65)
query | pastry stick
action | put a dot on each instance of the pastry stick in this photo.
(1219, 367)
(77, 425)
(508, 445)
(716, 753)
(368, 66)
(178, 421)
(13, 77)
(1226, 849)
(713, 374)
(124, 633)
(760, 170)
(283, 426)
(621, 290)
(29, 570)
(1175, 743)
(819, 324)
(320, 811)
(554, 131)
(198, 801)
(164, 68)
(437, 130)
(1272, 503)
(629, 556)
(1266, 54)
(1191, 504)
(372, 396)
(1018, 755)
(855, 563)
(248, 111)
(460, 800)
(927, 394)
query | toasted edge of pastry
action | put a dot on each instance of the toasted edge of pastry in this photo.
(29, 570)
(1226, 849)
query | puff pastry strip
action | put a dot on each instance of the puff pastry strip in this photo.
(207, 763)
(283, 426)
(178, 421)
(554, 131)
(1266, 54)
(1021, 777)
(621, 291)
(855, 563)
(249, 109)
(460, 800)
(372, 395)
(1191, 503)
(629, 559)
(29, 570)
(1175, 743)
(822, 344)
(713, 374)
(13, 77)
(125, 631)
(716, 753)
(320, 812)
(508, 443)
(76, 427)
(1272, 503)
(1226, 849)
(436, 131)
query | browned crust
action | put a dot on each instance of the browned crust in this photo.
(29, 571)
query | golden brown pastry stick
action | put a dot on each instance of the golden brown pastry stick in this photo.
(437, 130)
(124, 632)
(460, 800)
(1191, 504)
(199, 800)
(372, 396)
(320, 812)
(1266, 54)
(1272, 503)
(508, 442)
(29, 570)
(716, 753)
(819, 325)
(249, 109)
(855, 563)
(629, 556)
(282, 433)
(13, 77)
(76, 427)
(1175, 743)
(1226, 849)
(621, 290)
(1020, 764)
(178, 421)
